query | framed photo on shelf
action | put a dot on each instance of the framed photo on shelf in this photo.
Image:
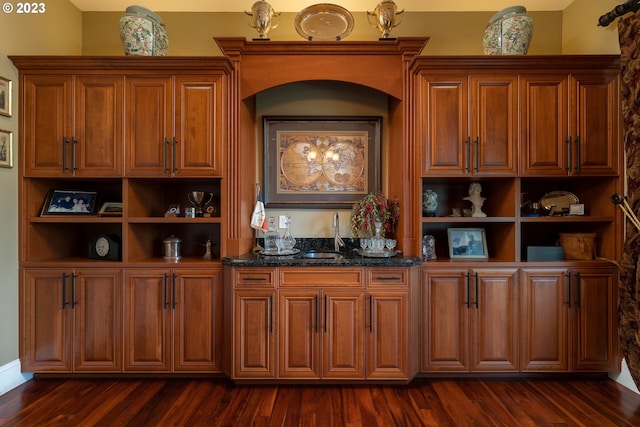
(110, 209)
(467, 243)
(6, 149)
(5, 97)
(320, 161)
(66, 202)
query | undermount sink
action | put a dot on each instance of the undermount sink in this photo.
(321, 255)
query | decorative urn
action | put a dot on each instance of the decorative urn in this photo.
(142, 33)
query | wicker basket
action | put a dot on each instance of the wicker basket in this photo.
(578, 245)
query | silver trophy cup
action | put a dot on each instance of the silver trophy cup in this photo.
(263, 16)
(197, 198)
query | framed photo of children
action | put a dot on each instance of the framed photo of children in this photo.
(6, 149)
(64, 202)
(5, 97)
(467, 243)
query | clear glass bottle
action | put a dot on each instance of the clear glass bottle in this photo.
(377, 241)
(271, 236)
(288, 241)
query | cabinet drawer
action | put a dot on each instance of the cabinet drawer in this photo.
(388, 277)
(322, 277)
(255, 277)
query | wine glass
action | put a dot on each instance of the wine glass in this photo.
(364, 243)
(390, 244)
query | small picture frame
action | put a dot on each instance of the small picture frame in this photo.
(5, 97)
(576, 209)
(6, 149)
(68, 202)
(467, 243)
(110, 209)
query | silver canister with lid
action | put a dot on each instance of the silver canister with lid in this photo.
(172, 249)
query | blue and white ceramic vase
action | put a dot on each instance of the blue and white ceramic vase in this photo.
(142, 33)
(508, 32)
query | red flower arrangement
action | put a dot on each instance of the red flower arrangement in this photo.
(374, 205)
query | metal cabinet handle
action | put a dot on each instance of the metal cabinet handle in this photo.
(165, 303)
(173, 290)
(317, 314)
(568, 275)
(477, 295)
(370, 313)
(175, 151)
(64, 154)
(73, 290)
(569, 162)
(477, 143)
(64, 290)
(578, 154)
(74, 141)
(166, 154)
(468, 301)
(468, 142)
(325, 314)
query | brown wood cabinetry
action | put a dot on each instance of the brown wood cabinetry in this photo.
(71, 320)
(73, 125)
(570, 123)
(469, 124)
(568, 320)
(470, 319)
(315, 323)
(172, 320)
(173, 125)
(86, 124)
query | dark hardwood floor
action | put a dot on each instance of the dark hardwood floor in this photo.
(217, 402)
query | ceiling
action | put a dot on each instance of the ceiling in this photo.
(297, 5)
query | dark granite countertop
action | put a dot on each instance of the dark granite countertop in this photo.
(348, 257)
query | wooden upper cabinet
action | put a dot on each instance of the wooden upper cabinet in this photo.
(469, 125)
(149, 126)
(73, 125)
(174, 125)
(570, 124)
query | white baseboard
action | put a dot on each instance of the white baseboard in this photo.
(11, 377)
(624, 377)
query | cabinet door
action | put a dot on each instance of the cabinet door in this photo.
(545, 321)
(494, 125)
(493, 320)
(148, 126)
(299, 334)
(46, 321)
(97, 147)
(544, 125)
(388, 352)
(444, 117)
(343, 335)
(254, 335)
(596, 337)
(199, 125)
(445, 302)
(147, 331)
(97, 312)
(197, 313)
(595, 123)
(47, 118)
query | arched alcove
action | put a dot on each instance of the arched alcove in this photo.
(264, 67)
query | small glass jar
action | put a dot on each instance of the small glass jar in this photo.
(172, 249)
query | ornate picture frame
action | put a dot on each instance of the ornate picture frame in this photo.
(320, 161)
(467, 243)
(5, 97)
(6, 148)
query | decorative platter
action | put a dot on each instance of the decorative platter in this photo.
(560, 199)
(384, 254)
(324, 22)
(280, 253)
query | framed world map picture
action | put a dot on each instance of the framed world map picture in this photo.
(328, 162)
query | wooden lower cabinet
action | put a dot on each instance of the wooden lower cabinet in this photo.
(469, 320)
(172, 320)
(568, 320)
(71, 320)
(319, 324)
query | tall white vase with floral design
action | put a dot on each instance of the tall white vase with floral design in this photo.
(508, 32)
(143, 33)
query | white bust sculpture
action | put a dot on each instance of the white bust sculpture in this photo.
(474, 197)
